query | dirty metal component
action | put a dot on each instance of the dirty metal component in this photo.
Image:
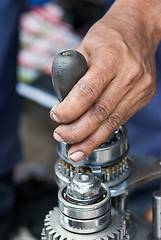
(117, 230)
(121, 228)
(84, 187)
(114, 148)
(84, 204)
(145, 168)
(108, 161)
(110, 175)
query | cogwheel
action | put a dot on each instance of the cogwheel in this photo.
(111, 176)
(117, 230)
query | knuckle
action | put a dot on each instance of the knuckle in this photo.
(114, 121)
(71, 135)
(109, 62)
(153, 90)
(112, 60)
(136, 68)
(88, 92)
(62, 116)
(149, 95)
(136, 71)
(149, 87)
(71, 139)
(149, 81)
(99, 112)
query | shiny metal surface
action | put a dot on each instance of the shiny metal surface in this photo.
(112, 149)
(145, 168)
(84, 204)
(157, 215)
(88, 209)
(84, 187)
(85, 226)
(111, 176)
(119, 203)
(117, 230)
(84, 212)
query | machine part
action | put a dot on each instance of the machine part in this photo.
(117, 230)
(114, 148)
(110, 175)
(157, 215)
(145, 169)
(84, 204)
(119, 203)
(141, 169)
(84, 226)
(84, 209)
(122, 227)
(84, 188)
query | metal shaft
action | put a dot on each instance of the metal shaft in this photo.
(157, 215)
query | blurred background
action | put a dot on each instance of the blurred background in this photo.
(46, 28)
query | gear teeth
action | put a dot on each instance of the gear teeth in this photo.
(124, 228)
(109, 174)
(49, 234)
(43, 238)
(47, 218)
(56, 236)
(112, 237)
(43, 235)
(117, 235)
(127, 237)
(62, 238)
(121, 231)
(48, 229)
(46, 224)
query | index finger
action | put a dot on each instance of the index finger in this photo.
(85, 92)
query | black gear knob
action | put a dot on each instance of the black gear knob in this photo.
(68, 67)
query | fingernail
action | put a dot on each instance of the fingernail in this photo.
(54, 117)
(58, 137)
(53, 107)
(76, 156)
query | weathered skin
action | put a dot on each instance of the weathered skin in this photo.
(120, 51)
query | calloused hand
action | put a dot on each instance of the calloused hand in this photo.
(120, 51)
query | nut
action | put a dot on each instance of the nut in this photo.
(84, 186)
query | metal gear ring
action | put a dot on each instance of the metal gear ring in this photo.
(110, 175)
(116, 231)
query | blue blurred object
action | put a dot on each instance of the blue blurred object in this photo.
(10, 152)
(37, 2)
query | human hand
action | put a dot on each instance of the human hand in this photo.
(120, 51)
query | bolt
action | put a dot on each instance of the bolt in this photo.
(84, 186)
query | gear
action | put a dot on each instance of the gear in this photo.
(117, 230)
(110, 175)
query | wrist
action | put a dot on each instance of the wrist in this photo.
(142, 15)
